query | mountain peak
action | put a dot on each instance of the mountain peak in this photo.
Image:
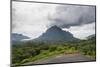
(56, 34)
(54, 28)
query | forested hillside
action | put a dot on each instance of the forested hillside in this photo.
(32, 51)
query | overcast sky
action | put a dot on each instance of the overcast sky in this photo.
(33, 19)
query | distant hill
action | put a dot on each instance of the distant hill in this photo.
(56, 34)
(91, 36)
(15, 37)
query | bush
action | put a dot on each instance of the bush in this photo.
(52, 48)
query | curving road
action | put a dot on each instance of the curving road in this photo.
(63, 59)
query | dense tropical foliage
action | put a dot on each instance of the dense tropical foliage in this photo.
(32, 51)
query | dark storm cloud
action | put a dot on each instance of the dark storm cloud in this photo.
(72, 15)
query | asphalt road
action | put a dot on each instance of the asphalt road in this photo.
(63, 59)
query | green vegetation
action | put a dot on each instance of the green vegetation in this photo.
(88, 47)
(32, 51)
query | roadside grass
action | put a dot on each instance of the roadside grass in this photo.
(47, 54)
